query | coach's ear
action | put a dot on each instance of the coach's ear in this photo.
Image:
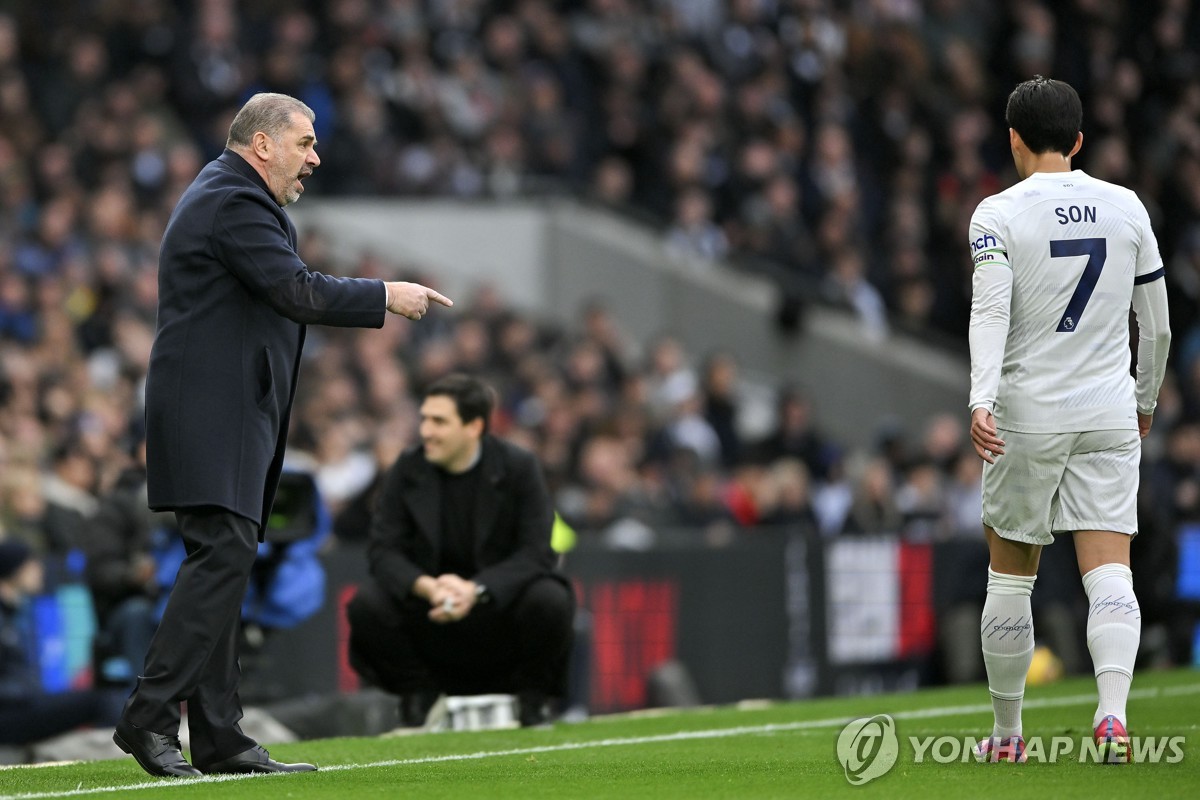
(262, 144)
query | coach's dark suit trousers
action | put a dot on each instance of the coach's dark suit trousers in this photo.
(193, 656)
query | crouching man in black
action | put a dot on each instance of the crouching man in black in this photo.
(463, 596)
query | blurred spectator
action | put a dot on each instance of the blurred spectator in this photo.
(686, 429)
(718, 384)
(693, 232)
(27, 713)
(23, 506)
(963, 502)
(612, 181)
(847, 285)
(669, 378)
(123, 575)
(833, 498)
(795, 435)
(1169, 501)
(18, 318)
(71, 503)
(392, 437)
(790, 500)
(345, 466)
(602, 330)
(875, 508)
(699, 502)
(919, 500)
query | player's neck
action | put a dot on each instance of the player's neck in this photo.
(1045, 162)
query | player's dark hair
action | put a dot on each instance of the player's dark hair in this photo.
(1046, 114)
(472, 397)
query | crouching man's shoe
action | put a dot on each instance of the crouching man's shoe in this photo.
(532, 709)
(256, 759)
(156, 753)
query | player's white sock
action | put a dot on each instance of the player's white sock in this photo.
(1114, 629)
(1007, 635)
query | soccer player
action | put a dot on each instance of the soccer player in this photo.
(1055, 413)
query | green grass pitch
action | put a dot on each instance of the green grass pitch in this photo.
(779, 750)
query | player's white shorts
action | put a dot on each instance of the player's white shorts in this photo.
(1047, 483)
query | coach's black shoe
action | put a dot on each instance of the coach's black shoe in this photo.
(256, 759)
(154, 752)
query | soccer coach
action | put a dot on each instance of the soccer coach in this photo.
(234, 300)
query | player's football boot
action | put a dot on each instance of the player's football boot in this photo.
(1112, 741)
(994, 749)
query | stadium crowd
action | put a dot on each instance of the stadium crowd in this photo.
(841, 146)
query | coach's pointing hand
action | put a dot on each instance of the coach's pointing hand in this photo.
(412, 299)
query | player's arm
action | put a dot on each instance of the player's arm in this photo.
(1154, 341)
(991, 299)
(1154, 328)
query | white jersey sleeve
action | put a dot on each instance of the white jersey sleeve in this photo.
(1074, 247)
(1154, 328)
(1154, 341)
(991, 294)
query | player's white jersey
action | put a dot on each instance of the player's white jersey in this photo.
(1076, 246)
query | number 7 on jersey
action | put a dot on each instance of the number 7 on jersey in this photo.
(1097, 251)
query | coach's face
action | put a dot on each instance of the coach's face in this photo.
(293, 157)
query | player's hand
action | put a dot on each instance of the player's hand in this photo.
(1144, 423)
(412, 299)
(984, 436)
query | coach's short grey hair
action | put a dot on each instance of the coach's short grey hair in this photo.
(268, 112)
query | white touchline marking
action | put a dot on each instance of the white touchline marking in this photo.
(716, 733)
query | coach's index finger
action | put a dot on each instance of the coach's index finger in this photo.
(438, 297)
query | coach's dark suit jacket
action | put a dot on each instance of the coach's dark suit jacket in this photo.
(513, 520)
(234, 299)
